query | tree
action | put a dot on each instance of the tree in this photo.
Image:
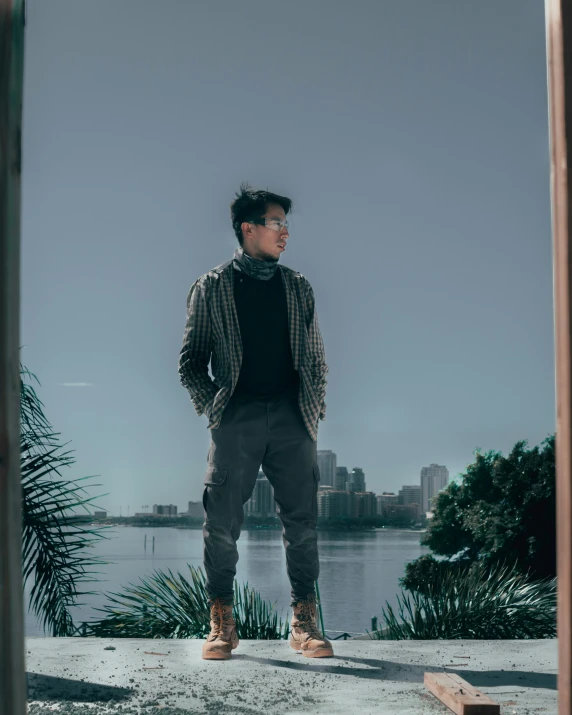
(503, 510)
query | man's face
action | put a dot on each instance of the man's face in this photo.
(263, 242)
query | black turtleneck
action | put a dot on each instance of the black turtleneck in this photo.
(267, 369)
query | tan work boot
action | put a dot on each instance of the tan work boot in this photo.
(304, 633)
(222, 639)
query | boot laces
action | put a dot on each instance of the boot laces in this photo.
(218, 620)
(308, 623)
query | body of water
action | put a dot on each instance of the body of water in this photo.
(359, 571)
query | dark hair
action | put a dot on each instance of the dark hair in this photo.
(250, 204)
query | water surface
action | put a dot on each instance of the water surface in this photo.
(359, 571)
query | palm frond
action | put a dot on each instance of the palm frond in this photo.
(165, 605)
(53, 542)
(480, 602)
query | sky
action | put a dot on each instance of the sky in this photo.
(412, 138)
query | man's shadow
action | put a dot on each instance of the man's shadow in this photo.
(377, 669)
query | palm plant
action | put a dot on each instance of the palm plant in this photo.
(54, 539)
(476, 602)
(169, 606)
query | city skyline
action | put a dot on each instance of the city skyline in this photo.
(433, 477)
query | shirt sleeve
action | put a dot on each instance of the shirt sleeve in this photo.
(316, 350)
(195, 353)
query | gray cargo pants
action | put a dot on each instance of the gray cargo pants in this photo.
(270, 433)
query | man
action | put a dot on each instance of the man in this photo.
(256, 322)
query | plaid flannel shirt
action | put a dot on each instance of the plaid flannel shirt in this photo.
(212, 333)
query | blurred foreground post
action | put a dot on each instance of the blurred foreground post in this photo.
(12, 666)
(559, 63)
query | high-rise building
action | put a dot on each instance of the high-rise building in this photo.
(341, 478)
(433, 479)
(261, 502)
(327, 465)
(356, 481)
(387, 499)
(364, 504)
(332, 503)
(410, 494)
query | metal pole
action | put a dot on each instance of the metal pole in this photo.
(12, 664)
(559, 67)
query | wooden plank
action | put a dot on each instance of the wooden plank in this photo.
(459, 696)
(12, 670)
(558, 15)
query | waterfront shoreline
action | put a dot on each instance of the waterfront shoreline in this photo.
(162, 524)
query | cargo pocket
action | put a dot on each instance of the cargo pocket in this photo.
(214, 492)
(216, 475)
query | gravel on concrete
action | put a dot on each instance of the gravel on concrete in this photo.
(93, 676)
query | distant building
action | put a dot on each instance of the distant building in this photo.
(196, 509)
(261, 502)
(100, 514)
(164, 510)
(417, 508)
(400, 513)
(327, 465)
(341, 479)
(433, 479)
(384, 500)
(410, 494)
(356, 481)
(363, 504)
(333, 503)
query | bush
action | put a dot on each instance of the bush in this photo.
(168, 606)
(474, 602)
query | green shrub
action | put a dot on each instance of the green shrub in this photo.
(475, 602)
(168, 606)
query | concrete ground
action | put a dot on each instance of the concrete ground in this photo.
(92, 676)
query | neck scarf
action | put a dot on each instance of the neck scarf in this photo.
(263, 270)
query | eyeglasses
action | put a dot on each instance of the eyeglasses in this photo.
(274, 223)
